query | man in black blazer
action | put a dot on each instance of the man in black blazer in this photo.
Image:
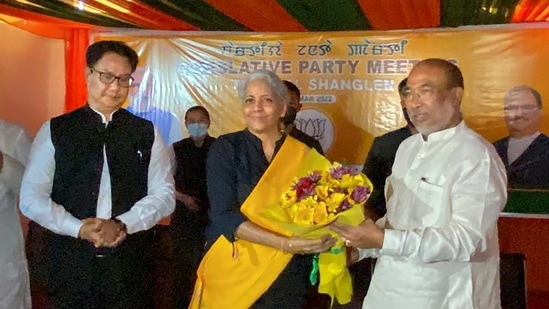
(525, 152)
(377, 167)
(294, 106)
(379, 161)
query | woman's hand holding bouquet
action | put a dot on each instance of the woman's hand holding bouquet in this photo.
(309, 206)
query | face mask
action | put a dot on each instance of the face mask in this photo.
(290, 115)
(197, 129)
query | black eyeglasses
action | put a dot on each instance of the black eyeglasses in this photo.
(107, 78)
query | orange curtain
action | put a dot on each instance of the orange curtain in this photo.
(401, 14)
(75, 63)
(258, 15)
(531, 10)
(76, 37)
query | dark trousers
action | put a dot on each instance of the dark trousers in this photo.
(68, 271)
(108, 290)
(187, 231)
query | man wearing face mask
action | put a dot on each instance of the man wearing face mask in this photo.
(291, 113)
(190, 217)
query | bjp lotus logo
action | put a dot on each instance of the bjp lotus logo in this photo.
(313, 127)
(316, 124)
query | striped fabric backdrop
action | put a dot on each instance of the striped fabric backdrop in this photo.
(287, 15)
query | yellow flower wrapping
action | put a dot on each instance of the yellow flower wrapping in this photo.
(335, 279)
(234, 275)
(237, 282)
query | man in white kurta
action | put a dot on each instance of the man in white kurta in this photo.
(444, 197)
(14, 275)
(438, 243)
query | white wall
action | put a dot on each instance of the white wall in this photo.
(32, 80)
(32, 77)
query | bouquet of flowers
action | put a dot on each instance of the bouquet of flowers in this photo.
(300, 193)
(311, 203)
(316, 199)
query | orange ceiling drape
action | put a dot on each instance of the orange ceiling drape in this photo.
(259, 16)
(531, 10)
(142, 15)
(401, 14)
(76, 37)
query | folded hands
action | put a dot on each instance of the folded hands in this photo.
(102, 232)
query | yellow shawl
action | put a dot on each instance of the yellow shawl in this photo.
(235, 275)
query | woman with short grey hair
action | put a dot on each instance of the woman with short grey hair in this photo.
(247, 265)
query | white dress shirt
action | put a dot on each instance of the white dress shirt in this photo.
(440, 249)
(517, 146)
(37, 205)
(14, 275)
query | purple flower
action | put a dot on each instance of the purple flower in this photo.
(315, 176)
(337, 172)
(344, 205)
(360, 194)
(351, 171)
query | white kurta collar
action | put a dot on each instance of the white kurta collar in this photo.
(444, 134)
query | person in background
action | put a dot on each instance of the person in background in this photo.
(294, 106)
(98, 179)
(14, 275)
(381, 156)
(246, 265)
(525, 152)
(142, 105)
(190, 217)
(438, 242)
(377, 167)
